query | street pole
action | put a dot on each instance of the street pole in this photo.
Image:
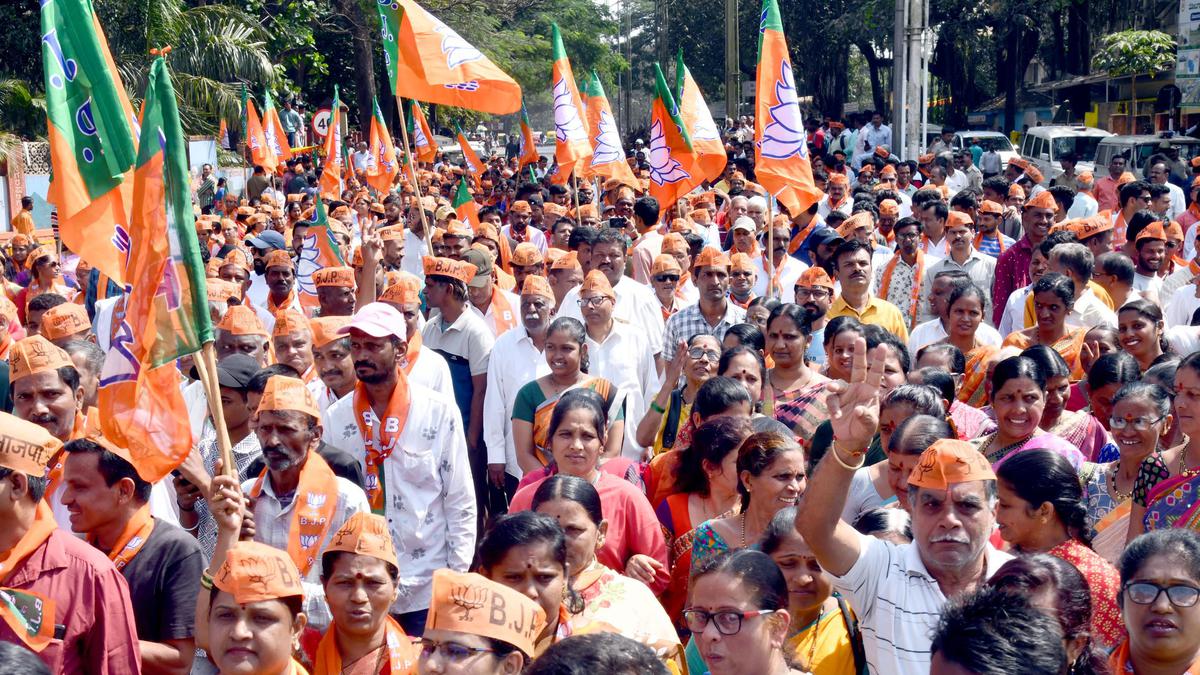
(899, 62)
(912, 80)
(733, 68)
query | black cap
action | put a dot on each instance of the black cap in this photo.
(234, 371)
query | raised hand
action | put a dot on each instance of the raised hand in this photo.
(854, 405)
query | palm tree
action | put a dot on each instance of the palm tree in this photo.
(22, 111)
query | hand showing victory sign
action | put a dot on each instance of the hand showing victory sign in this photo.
(854, 405)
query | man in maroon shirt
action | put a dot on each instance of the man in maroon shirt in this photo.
(1012, 267)
(91, 629)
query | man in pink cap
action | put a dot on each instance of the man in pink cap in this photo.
(410, 441)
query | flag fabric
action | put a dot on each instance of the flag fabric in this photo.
(529, 152)
(702, 130)
(571, 142)
(474, 166)
(166, 309)
(781, 160)
(278, 151)
(674, 166)
(465, 208)
(384, 168)
(320, 250)
(418, 132)
(256, 138)
(92, 130)
(223, 135)
(428, 61)
(333, 180)
(608, 155)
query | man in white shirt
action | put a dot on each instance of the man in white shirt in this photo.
(870, 137)
(362, 158)
(519, 228)
(497, 308)
(780, 280)
(934, 330)
(932, 215)
(1084, 205)
(1150, 245)
(1076, 261)
(1158, 174)
(836, 198)
(410, 442)
(960, 233)
(517, 361)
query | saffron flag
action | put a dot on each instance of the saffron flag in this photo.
(781, 160)
(92, 129)
(278, 151)
(674, 167)
(474, 166)
(608, 156)
(256, 138)
(166, 310)
(320, 250)
(223, 135)
(529, 152)
(418, 131)
(384, 168)
(571, 144)
(705, 136)
(465, 208)
(333, 179)
(428, 61)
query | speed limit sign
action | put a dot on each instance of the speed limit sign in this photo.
(320, 122)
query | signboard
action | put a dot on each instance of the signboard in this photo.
(320, 121)
(1187, 65)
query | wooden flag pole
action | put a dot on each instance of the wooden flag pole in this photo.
(412, 170)
(769, 258)
(206, 366)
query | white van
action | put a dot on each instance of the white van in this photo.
(1138, 149)
(1044, 146)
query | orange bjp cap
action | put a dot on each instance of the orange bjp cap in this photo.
(947, 462)
(254, 572)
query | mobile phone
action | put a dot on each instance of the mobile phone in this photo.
(618, 222)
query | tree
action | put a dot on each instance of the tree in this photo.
(1135, 52)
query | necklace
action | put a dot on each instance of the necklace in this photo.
(1183, 466)
(743, 529)
(812, 648)
(1120, 496)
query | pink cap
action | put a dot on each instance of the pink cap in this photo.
(377, 319)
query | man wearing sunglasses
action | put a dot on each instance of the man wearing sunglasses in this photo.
(714, 313)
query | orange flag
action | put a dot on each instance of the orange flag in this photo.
(780, 143)
(674, 166)
(428, 61)
(474, 166)
(333, 180)
(256, 139)
(529, 152)
(384, 168)
(278, 151)
(465, 208)
(223, 135)
(422, 137)
(706, 138)
(608, 158)
(571, 144)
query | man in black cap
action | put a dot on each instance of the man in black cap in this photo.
(260, 245)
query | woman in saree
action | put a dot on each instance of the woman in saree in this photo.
(1053, 298)
(664, 426)
(1142, 414)
(1104, 379)
(1172, 502)
(1141, 330)
(1080, 429)
(611, 602)
(566, 353)
(1018, 399)
(1097, 342)
(795, 392)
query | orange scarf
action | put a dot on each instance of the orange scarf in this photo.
(412, 353)
(1119, 226)
(41, 529)
(916, 286)
(754, 251)
(773, 288)
(743, 305)
(999, 241)
(802, 236)
(379, 449)
(401, 652)
(6, 343)
(925, 241)
(55, 475)
(35, 624)
(314, 506)
(502, 312)
(287, 302)
(1120, 662)
(132, 539)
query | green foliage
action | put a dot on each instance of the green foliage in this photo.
(1135, 52)
(22, 112)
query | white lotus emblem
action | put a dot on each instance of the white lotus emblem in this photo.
(456, 50)
(784, 137)
(567, 125)
(664, 168)
(705, 129)
(608, 141)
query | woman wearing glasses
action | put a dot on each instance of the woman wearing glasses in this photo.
(664, 426)
(1172, 502)
(738, 615)
(1139, 418)
(1160, 584)
(1040, 510)
(566, 354)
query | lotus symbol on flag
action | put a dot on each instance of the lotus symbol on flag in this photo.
(663, 167)
(784, 136)
(457, 50)
(705, 129)
(419, 139)
(567, 125)
(608, 141)
(307, 264)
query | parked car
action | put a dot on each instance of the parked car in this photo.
(1044, 147)
(1138, 149)
(986, 140)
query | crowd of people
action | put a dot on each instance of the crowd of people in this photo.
(939, 422)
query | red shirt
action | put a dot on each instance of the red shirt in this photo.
(92, 606)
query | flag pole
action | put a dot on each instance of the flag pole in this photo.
(575, 191)
(412, 170)
(206, 366)
(769, 258)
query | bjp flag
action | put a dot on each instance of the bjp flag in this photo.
(474, 166)
(706, 138)
(92, 130)
(674, 167)
(418, 131)
(256, 138)
(319, 250)
(781, 160)
(571, 144)
(608, 155)
(278, 151)
(529, 152)
(384, 168)
(465, 208)
(223, 134)
(427, 61)
(166, 310)
(333, 180)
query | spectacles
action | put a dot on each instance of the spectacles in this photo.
(593, 301)
(451, 651)
(747, 274)
(664, 278)
(698, 353)
(728, 622)
(1146, 593)
(1139, 423)
(814, 293)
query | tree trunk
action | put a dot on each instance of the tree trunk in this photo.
(874, 66)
